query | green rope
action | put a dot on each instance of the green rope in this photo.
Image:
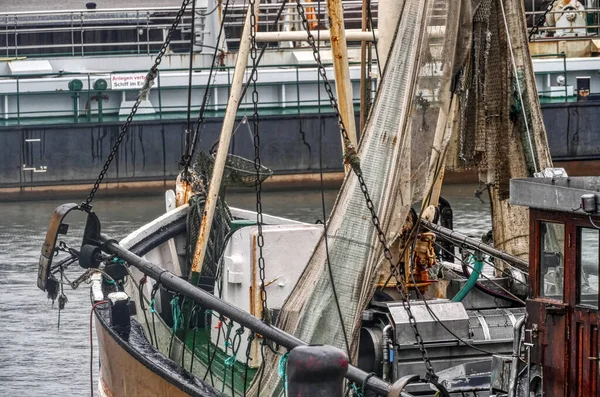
(229, 361)
(177, 315)
(356, 391)
(282, 370)
(152, 303)
(118, 260)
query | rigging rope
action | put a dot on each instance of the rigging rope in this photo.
(518, 83)
(324, 211)
(191, 64)
(190, 150)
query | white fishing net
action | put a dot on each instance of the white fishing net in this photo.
(401, 151)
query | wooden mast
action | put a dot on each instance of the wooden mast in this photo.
(341, 68)
(225, 138)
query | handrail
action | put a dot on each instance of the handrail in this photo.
(196, 69)
(86, 11)
(11, 111)
(73, 29)
(557, 55)
(592, 25)
(234, 6)
(241, 317)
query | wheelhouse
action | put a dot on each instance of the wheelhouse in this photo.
(562, 310)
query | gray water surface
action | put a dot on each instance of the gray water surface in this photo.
(37, 358)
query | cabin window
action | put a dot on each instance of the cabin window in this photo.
(552, 260)
(587, 266)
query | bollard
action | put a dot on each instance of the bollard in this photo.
(119, 313)
(316, 371)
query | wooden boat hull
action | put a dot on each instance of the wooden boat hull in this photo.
(132, 367)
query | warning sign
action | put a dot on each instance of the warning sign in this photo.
(127, 81)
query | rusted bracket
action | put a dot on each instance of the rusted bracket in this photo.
(56, 227)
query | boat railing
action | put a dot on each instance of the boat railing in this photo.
(555, 93)
(587, 25)
(91, 97)
(142, 31)
(234, 332)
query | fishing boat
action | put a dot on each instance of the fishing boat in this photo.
(210, 300)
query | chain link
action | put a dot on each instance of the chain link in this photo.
(541, 20)
(260, 242)
(150, 76)
(190, 148)
(355, 163)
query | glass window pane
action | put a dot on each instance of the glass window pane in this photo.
(552, 260)
(587, 267)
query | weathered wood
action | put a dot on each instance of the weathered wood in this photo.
(235, 97)
(341, 69)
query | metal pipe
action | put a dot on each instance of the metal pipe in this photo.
(512, 386)
(460, 238)
(350, 35)
(236, 314)
(389, 12)
(386, 351)
(363, 68)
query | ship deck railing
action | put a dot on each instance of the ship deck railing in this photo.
(552, 33)
(140, 31)
(26, 106)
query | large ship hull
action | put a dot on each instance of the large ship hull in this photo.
(63, 160)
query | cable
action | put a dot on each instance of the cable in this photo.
(514, 64)
(92, 346)
(186, 158)
(191, 64)
(200, 120)
(510, 296)
(325, 238)
(370, 16)
(143, 307)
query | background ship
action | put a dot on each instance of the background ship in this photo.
(62, 91)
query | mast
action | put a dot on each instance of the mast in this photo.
(388, 16)
(341, 68)
(225, 138)
(363, 69)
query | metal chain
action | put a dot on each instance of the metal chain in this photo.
(541, 20)
(260, 242)
(355, 163)
(190, 148)
(152, 74)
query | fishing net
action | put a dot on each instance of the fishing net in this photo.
(500, 131)
(401, 155)
(238, 172)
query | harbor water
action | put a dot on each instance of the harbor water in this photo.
(37, 358)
